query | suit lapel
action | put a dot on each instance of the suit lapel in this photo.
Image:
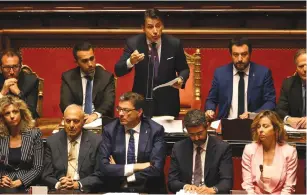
(78, 85)
(5, 148)
(296, 88)
(278, 163)
(209, 156)
(85, 146)
(143, 139)
(165, 48)
(256, 161)
(229, 79)
(25, 145)
(62, 149)
(143, 48)
(120, 145)
(97, 83)
(251, 78)
(188, 153)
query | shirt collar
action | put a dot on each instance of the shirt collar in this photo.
(137, 128)
(83, 75)
(203, 146)
(158, 43)
(235, 71)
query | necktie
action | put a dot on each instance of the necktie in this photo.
(155, 58)
(304, 101)
(241, 94)
(131, 148)
(198, 167)
(72, 159)
(88, 96)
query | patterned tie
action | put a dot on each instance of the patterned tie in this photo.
(241, 94)
(198, 167)
(88, 96)
(155, 58)
(131, 148)
(72, 160)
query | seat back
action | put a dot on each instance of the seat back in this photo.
(190, 96)
(40, 94)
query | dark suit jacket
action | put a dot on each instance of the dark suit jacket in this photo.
(151, 148)
(32, 154)
(291, 99)
(28, 85)
(172, 62)
(103, 90)
(260, 93)
(56, 160)
(218, 165)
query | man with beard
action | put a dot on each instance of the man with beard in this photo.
(71, 156)
(292, 101)
(133, 150)
(200, 163)
(88, 85)
(241, 86)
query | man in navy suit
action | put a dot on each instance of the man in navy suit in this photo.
(157, 58)
(241, 86)
(200, 163)
(132, 152)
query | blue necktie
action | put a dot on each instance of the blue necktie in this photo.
(131, 148)
(88, 96)
(155, 58)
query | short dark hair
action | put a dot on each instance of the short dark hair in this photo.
(239, 41)
(298, 53)
(83, 46)
(136, 99)
(153, 13)
(11, 52)
(194, 118)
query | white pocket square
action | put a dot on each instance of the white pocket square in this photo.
(170, 58)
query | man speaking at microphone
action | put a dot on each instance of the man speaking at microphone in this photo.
(158, 58)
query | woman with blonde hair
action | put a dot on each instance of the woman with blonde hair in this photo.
(21, 146)
(269, 164)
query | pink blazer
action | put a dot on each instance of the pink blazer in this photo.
(285, 161)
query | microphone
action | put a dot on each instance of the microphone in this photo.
(261, 170)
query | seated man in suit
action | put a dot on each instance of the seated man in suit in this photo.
(71, 156)
(15, 82)
(241, 86)
(88, 85)
(200, 163)
(292, 101)
(157, 58)
(133, 150)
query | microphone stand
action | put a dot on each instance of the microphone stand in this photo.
(149, 86)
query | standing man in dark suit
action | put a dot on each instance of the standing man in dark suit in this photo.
(15, 82)
(157, 58)
(200, 163)
(241, 86)
(88, 85)
(133, 150)
(291, 106)
(71, 156)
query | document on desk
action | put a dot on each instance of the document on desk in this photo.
(170, 83)
(170, 125)
(93, 124)
(293, 130)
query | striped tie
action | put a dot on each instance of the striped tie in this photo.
(198, 167)
(131, 148)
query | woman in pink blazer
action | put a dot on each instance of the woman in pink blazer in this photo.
(269, 164)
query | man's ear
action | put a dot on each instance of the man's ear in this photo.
(140, 112)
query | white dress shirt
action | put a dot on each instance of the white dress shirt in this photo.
(84, 82)
(158, 46)
(233, 112)
(129, 167)
(203, 159)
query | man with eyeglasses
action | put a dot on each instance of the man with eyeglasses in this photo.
(15, 82)
(240, 87)
(88, 85)
(132, 152)
(200, 163)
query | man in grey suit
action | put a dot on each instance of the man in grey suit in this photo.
(71, 156)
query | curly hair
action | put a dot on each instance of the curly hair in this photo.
(277, 123)
(26, 121)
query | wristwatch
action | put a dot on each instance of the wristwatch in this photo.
(215, 189)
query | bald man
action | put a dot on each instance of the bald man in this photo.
(70, 161)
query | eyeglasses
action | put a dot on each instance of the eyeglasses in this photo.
(8, 68)
(84, 61)
(124, 110)
(198, 134)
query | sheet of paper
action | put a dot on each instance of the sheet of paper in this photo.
(170, 126)
(95, 123)
(293, 130)
(215, 124)
(170, 83)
